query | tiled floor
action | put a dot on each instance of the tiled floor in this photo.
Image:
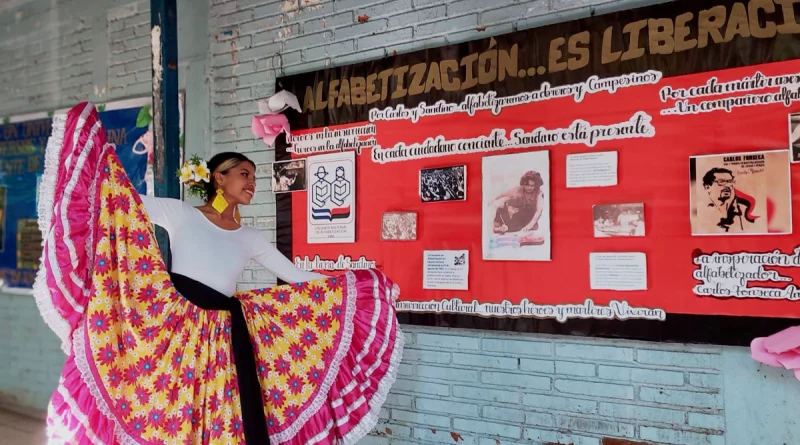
(19, 430)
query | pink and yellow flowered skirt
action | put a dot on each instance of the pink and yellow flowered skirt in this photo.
(146, 366)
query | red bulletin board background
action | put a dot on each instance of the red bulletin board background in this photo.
(654, 171)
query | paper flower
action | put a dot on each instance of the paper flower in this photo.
(268, 127)
(278, 102)
(269, 123)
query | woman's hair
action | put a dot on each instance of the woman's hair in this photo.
(287, 172)
(531, 176)
(222, 163)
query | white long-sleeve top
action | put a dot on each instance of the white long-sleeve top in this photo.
(212, 255)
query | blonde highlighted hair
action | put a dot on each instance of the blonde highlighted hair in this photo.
(223, 163)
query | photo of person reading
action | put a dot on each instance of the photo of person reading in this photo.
(519, 209)
(515, 216)
(509, 219)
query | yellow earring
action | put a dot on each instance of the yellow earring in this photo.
(219, 203)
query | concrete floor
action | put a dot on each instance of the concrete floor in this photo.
(18, 430)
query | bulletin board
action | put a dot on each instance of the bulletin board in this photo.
(627, 175)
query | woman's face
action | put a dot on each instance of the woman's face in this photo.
(529, 187)
(238, 184)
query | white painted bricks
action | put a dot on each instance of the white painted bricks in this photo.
(486, 386)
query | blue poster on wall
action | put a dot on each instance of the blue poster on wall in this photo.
(22, 148)
(127, 129)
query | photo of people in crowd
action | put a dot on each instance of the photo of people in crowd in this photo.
(399, 226)
(516, 218)
(741, 193)
(443, 184)
(613, 220)
(289, 176)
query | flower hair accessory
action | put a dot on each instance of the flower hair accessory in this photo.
(193, 174)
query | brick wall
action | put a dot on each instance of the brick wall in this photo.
(30, 356)
(46, 62)
(129, 59)
(477, 388)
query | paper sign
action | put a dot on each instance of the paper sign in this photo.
(618, 271)
(332, 198)
(592, 169)
(446, 270)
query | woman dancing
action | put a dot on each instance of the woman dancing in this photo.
(179, 357)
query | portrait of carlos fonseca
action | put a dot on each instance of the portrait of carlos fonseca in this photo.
(745, 193)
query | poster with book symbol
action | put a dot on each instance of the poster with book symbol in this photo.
(332, 198)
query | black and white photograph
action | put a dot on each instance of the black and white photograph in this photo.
(615, 220)
(289, 176)
(741, 193)
(794, 136)
(399, 226)
(443, 184)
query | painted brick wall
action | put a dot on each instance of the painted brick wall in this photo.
(129, 65)
(46, 58)
(30, 356)
(477, 387)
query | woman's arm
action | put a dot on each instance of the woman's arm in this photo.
(164, 212)
(273, 260)
(537, 215)
(503, 197)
